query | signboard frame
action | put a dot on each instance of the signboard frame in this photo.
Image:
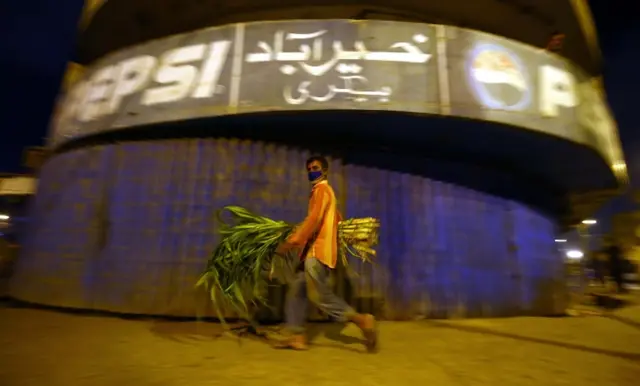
(310, 65)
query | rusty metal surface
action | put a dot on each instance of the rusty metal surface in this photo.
(131, 229)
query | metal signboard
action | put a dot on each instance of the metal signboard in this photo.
(339, 65)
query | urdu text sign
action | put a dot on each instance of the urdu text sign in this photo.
(337, 65)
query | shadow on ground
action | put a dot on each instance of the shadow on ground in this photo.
(187, 331)
(610, 303)
(571, 346)
(334, 332)
(622, 319)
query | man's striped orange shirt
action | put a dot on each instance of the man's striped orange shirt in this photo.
(320, 227)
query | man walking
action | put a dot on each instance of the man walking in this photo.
(318, 238)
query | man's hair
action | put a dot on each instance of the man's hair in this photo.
(321, 160)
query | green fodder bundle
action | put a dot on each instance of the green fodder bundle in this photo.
(235, 274)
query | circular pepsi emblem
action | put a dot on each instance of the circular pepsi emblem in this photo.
(497, 78)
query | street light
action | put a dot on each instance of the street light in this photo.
(619, 166)
(561, 240)
(575, 254)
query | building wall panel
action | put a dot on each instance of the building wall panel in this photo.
(128, 228)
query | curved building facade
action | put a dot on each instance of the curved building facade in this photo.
(464, 144)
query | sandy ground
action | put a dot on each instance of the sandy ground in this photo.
(51, 348)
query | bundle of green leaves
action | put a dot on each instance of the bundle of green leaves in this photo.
(236, 273)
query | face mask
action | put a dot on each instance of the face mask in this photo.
(314, 175)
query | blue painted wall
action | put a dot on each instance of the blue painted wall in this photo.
(129, 227)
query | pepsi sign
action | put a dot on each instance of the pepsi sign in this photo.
(498, 78)
(370, 65)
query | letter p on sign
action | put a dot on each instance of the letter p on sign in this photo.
(557, 88)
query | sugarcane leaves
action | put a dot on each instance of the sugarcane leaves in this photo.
(235, 273)
(235, 270)
(358, 236)
(241, 216)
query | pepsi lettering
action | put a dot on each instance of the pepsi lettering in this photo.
(164, 80)
(132, 76)
(174, 73)
(557, 88)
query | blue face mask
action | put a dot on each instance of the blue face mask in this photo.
(314, 175)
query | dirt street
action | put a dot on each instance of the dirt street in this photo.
(50, 348)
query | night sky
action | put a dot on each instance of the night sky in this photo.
(37, 40)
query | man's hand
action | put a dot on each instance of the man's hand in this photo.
(284, 248)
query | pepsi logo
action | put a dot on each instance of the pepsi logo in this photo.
(497, 78)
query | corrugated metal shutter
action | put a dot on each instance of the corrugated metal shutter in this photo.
(128, 228)
(59, 249)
